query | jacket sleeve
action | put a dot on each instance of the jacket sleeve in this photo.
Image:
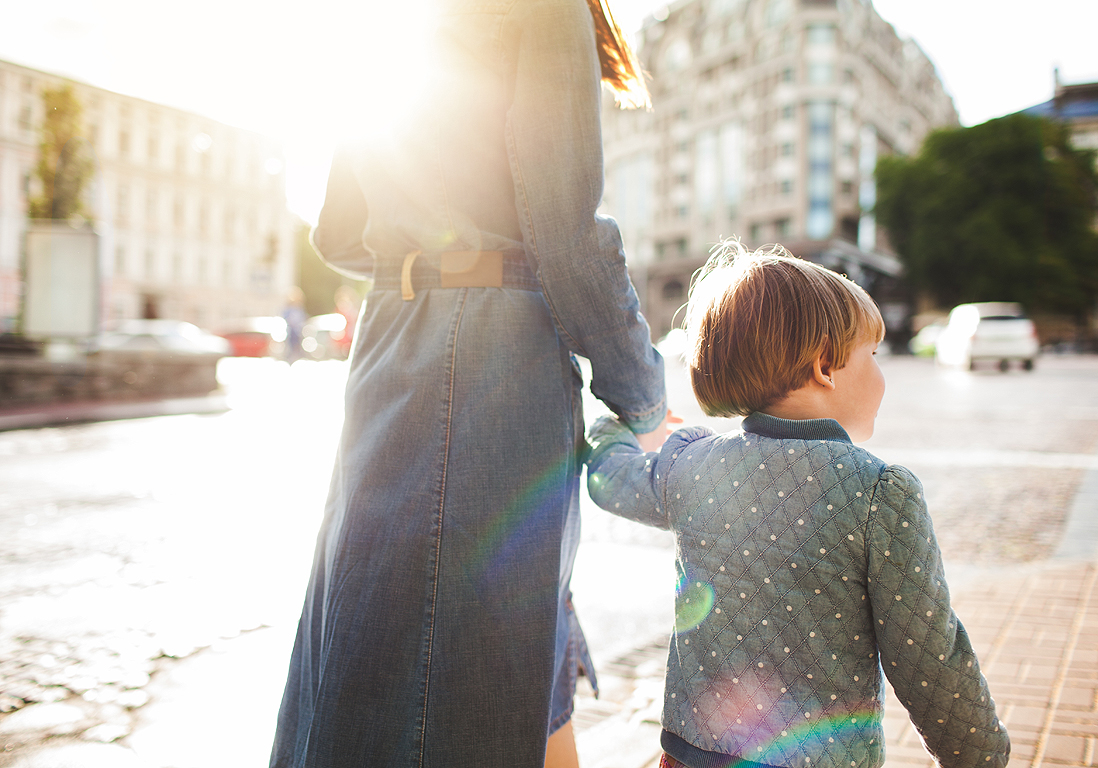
(925, 651)
(554, 145)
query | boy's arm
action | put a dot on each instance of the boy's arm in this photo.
(625, 480)
(925, 651)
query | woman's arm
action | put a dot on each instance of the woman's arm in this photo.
(554, 143)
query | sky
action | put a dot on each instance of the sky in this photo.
(289, 70)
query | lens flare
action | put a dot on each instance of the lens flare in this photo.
(693, 602)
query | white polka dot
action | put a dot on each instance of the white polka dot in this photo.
(703, 542)
(858, 494)
(924, 683)
(887, 553)
(766, 581)
(678, 495)
(617, 505)
(674, 455)
(761, 665)
(800, 522)
(855, 678)
(918, 569)
(773, 537)
(765, 622)
(806, 714)
(754, 509)
(817, 591)
(735, 483)
(830, 507)
(743, 594)
(791, 450)
(735, 681)
(809, 676)
(850, 536)
(781, 494)
(792, 565)
(840, 466)
(809, 478)
(711, 501)
(823, 551)
(687, 641)
(833, 697)
(787, 649)
(941, 657)
(872, 507)
(811, 634)
(712, 653)
(697, 477)
(972, 730)
(789, 607)
(727, 526)
(722, 567)
(759, 706)
(911, 642)
(718, 610)
(838, 615)
(899, 597)
(905, 524)
(673, 695)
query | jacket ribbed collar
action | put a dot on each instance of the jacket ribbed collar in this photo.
(788, 429)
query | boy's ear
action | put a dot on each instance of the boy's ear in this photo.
(822, 368)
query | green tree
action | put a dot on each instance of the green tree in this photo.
(64, 165)
(1002, 211)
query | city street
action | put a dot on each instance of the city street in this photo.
(151, 570)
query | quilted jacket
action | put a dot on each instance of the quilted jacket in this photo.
(806, 565)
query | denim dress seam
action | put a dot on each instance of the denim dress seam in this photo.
(441, 514)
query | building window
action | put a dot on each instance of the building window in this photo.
(783, 227)
(119, 260)
(787, 112)
(154, 149)
(177, 267)
(122, 213)
(848, 150)
(787, 75)
(787, 149)
(150, 264)
(177, 212)
(672, 290)
(123, 143)
(25, 117)
(787, 187)
(819, 73)
(821, 122)
(755, 233)
(847, 188)
(150, 208)
(682, 211)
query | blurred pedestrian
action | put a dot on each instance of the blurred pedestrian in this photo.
(438, 628)
(295, 317)
(805, 564)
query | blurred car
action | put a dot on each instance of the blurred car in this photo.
(995, 331)
(925, 342)
(326, 337)
(172, 336)
(256, 336)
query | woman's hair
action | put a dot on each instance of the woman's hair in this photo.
(620, 68)
(757, 321)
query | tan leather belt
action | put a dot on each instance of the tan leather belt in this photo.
(458, 269)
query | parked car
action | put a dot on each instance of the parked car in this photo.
(925, 342)
(326, 337)
(993, 331)
(173, 336)
(256, 336)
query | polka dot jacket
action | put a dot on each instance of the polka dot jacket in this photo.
(806, 565)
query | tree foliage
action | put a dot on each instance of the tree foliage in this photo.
(64, 165)
(1002, 211)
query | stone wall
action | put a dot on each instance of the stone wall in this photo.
(114, 375)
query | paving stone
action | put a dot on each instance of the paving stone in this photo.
(1066, 749)
(47, 718)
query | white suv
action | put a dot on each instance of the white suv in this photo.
(996, 331)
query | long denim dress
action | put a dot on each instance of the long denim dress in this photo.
(437, 628)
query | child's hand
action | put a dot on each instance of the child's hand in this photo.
(651, 441)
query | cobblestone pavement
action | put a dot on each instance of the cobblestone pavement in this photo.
(150, 571)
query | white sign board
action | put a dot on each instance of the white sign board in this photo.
(62, 281)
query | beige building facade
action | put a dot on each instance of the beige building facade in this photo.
(768, 118)
(191, 213)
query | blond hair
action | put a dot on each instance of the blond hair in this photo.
(756, 322)
(620, 68)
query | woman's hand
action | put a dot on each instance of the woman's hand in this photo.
(651, 441)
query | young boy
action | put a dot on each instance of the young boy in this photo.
(805, 564)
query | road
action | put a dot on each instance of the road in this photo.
(151, 570)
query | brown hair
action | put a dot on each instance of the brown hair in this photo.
(757, 321)
(620, 68)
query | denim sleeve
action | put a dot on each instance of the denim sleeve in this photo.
(925, 651)
(554, 144)
(337, 237)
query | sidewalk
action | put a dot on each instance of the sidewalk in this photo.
(54, 414)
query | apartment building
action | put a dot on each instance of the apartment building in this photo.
(768, 118)
(191, 213)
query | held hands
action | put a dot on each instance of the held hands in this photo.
(651, 441)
